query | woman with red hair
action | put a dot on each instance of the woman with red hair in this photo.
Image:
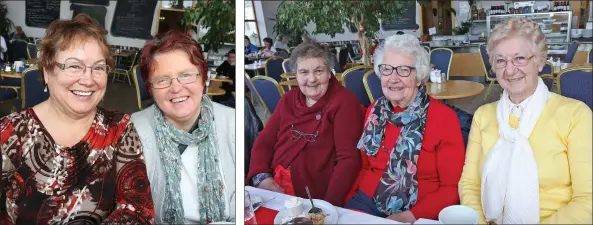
(188, 140)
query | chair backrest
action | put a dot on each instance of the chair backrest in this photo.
(352, 80)
(249, 84)
(336, 63)
(548, 81)
(141, 92)
(32, 51)
(572, 50)
(486, 63)
(19, 50)
(576, 83)
(286, 66)
(31, 88)
(273, 67)
(548, 69)
(591, 55)
(342, 57)
(372, 84)
(281, 54)
(269, 92)
(426, 48)
(441, 58)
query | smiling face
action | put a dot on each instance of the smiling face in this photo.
(75, 92)
(312, 77)
(180, 103)
(400, 91)
(232, 58)
(520, 81)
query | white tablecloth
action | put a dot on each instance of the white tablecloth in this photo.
(345, 216)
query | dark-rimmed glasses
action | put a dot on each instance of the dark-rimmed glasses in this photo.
(296, 134)
(77, 69)
(500, 62)
(165, 82)
(402, 71)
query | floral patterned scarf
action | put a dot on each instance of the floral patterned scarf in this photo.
(209, 179)
(397, 190)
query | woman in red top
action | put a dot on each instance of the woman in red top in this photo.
(311, 137)
(411, 146)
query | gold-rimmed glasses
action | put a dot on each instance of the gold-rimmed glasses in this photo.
(165, 82)
(76, 68)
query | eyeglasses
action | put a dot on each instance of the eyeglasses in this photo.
(165, 82)
(77, 69)
(402, 71)
(296, 134)
(500, 63)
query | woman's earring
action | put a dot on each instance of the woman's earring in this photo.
(45, 89)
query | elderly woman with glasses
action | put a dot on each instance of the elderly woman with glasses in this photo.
(411, 146)
(66, 160)
(310, 140)
(188, 140)
(529, 154)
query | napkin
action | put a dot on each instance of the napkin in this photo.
(265, 215)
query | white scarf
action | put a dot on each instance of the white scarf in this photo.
(510, 185)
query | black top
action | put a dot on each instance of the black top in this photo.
(182, 147)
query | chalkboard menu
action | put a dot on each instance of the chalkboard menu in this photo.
(405, 20)
(95, 12)
(133, 18)
(91, 2)
(40, 13)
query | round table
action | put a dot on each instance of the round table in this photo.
(222, 79)
(290, 83)
(453, 89)
(10, 74)
(215, 91)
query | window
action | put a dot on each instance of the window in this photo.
(251, 28)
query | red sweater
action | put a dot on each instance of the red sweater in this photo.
(440, 162)
(330, 164)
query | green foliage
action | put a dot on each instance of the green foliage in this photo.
(463, 29)
(5, 23)
(218, 16)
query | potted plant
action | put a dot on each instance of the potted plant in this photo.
(5, 23)
(217, 16)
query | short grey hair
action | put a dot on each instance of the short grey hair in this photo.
(311, 50)
(406, 44)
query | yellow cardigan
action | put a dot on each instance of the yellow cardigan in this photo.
(561, 143)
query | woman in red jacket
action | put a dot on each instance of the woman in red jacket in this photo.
(310, 140)
(411, 147)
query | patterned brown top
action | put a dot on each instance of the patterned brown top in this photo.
(101, 179)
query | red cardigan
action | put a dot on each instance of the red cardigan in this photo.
(330, 164)
(440, 162)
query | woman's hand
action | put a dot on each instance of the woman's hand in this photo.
(404, 217)
(271, 185)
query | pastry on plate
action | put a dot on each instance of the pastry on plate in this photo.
(317, 218)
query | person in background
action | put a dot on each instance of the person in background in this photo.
(529, 154)
(268, 50)
(250, 49)
(189, 141)
(3, 49)
(411, 147)
(192, 31)
(18, 34)
(282, 43)
(227, 68)
(66, 160)
(253, 125)
(310, 140)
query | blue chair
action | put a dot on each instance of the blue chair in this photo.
(273, 68)
(547, 75)
(32, 89)
(281, 54)
(488, 73)
(591, 55)
(286, 66)
(441, 58)
(336, 63)
(352, 79)
(269, 92)
(577, 83)
(548, 69)
(427, 49)
(251, 88)
(32, 51)
(572, 50)
(141, 92)
(9, 94)
(372, 84)
(19, 50)
(465, 122)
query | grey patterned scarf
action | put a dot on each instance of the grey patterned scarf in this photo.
(209, 179)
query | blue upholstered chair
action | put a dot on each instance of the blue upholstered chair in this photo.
(572, 50)
(352, 80)
(590, 55)
(488, 72)
(273, 68)
(269, 92)
(9, 94)
(547, 74)
(32, 51)
(577, 83)
(286, 66)
(249, 84)
(32, 89)
(19, 50)
(281, 54)
(441, 58)
(372, 85)
(141, 92)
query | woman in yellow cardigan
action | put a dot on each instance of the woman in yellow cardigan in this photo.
(528, 158)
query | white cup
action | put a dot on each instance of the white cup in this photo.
(294, 206)
(458, 214)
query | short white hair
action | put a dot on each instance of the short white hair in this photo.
(405, 44)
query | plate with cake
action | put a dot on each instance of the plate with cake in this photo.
(296, 211)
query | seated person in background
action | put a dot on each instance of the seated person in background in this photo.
(65, 160)
(188, 140)
(411, 146)
(282, 43)
(268, 50)
(250, 49)
(310, 140)
(18, 34)
(227, 69)
(529, 154)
